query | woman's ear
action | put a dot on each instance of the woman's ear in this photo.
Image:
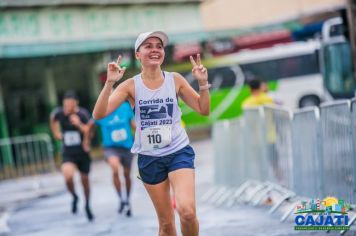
(137, 55)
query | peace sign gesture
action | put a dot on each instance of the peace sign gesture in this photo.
(115, 71)
(199, 71)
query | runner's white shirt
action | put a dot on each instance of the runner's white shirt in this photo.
(158, 119)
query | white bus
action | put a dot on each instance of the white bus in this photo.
(299, 74)
(293, 67)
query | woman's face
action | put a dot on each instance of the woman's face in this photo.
(151, 52)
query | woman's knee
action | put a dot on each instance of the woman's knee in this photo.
(187, 213)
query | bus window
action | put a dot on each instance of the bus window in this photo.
(336, 30)
(283, 68)
(219, 77)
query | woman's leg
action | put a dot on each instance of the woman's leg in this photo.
(160, 196)
(183, 184)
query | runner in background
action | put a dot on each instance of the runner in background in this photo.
(72, 124)
(117, 139)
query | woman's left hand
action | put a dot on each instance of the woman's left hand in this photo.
(199, 71)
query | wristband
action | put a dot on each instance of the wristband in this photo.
(204, 87)
(110, 83)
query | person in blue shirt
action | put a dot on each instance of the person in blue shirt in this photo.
(117, 140)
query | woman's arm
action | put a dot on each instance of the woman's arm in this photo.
(103, 106)
(198, 102)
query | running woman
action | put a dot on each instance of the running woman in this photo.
(165, 159)
(72, 124)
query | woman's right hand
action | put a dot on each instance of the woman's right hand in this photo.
(114, 71)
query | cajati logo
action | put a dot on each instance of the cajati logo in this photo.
(327, 214)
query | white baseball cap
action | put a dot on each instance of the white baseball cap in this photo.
(143, 36)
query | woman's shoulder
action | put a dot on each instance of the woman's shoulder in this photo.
(176, 76)
(128, 85)
(128, 82)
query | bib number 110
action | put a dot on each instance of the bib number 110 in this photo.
(154, 138)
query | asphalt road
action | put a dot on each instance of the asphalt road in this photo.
(40, 206)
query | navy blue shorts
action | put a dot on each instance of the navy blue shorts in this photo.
(154, 170)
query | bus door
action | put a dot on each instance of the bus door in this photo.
(336, 60)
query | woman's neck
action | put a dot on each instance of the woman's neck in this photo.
(151, 74)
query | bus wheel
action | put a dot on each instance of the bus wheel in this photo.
(309, 101)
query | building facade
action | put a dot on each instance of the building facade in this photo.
(48, 47)
(232, 14)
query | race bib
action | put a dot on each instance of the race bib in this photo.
(156, 137)
(72, 138)
(119, 135)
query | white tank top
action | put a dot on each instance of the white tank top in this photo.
(159, 131)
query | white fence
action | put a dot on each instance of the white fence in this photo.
(305, 154)
(26, 155)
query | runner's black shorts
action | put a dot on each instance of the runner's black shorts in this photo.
(81, 160)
